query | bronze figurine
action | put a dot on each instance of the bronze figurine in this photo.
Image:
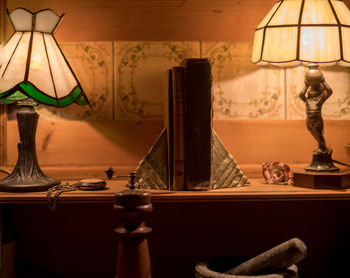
(315, 92)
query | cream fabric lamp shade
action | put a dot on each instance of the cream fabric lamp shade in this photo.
(32, 64)
(298, 32)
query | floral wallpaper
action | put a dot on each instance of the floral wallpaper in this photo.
(141, 76)
(92, 63)
(241, 89)
(128, 81)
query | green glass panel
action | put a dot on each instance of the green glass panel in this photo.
(10, 98)
(41, 97)
(5, 101)
(17, 96)
(70, 98)
(37, 95)
(82, 101)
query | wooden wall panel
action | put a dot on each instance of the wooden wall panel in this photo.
(207, 20)
(3, 126)
(3, 20)
(103, 143)
(2, 107)
(258, 141)
(93, 143)
(88, 148)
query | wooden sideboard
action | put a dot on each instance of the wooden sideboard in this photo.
(78, 240)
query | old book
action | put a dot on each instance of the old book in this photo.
(178, 162)
(198, 124)
(169, 126)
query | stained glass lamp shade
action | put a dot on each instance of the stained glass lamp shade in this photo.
(34, 70)
(311, 33)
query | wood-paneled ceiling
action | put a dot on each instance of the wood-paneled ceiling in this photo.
(207, 20)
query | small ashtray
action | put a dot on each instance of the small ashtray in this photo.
(92, 184)
(276, 173)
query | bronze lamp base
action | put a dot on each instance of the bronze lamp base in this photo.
(27, 175)
(322, 162)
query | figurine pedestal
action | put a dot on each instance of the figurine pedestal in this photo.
(321, 180)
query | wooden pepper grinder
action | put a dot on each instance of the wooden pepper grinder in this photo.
(133, 207)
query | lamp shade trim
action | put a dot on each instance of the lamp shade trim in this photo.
(26, 90)
(24, 20)
(304, 31)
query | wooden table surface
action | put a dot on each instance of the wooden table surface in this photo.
(257, 191)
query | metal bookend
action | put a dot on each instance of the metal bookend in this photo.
(226, 172)
(152, 172)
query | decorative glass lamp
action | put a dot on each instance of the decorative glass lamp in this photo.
(311, 33)
(34, 70)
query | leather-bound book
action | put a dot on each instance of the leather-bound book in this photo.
(178, 84)
(198, 124)
(169, 126)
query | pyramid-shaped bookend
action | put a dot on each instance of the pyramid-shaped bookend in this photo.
(153, 170)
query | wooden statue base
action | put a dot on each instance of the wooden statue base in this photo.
(321, 180)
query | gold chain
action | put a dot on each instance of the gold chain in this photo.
(59, 189)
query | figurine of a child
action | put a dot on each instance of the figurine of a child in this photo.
(314, 94)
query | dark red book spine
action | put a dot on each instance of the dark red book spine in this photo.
(198, 124)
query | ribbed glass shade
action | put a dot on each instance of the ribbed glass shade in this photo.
(32, 64)
(304, 31)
